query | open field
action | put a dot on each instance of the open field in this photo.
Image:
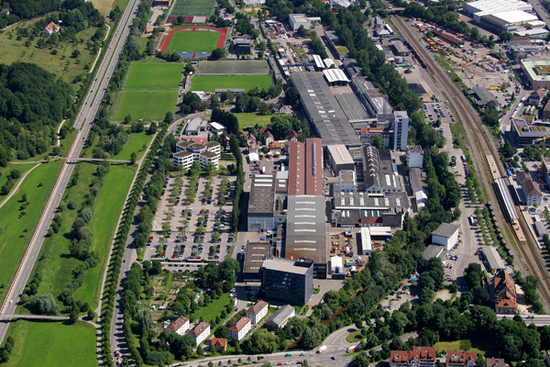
(233, 67)
(52, 344)
(61, 64)
(160, 76)
(477, 347)
(213, 309)
(148, 105)
(193, 7)
(248, 82)
(248, 118)
(16, 232)
(103, 6)
(5, 171)
(184, 41)
(136, 143)
(57, 264)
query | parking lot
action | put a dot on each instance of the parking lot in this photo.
(197, 230)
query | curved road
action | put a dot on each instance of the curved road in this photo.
(83, 123)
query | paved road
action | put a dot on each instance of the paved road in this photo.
(16, 188)
(539, 320)
(83, 124)
(541, 11)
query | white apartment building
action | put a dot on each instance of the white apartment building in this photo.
(257, 312)
(200, 332)
(239, 329)
(189, 152)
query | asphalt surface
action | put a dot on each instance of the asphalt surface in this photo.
(83, 123)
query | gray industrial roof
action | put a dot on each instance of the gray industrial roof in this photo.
(306, 230)
(353, 109)
(262, 194)
(391, 201)
(483, 95)
(493, 258)
(256, 253)
(340, 154)
(284, 265)
(445, 230)
(323, 110)
(433, 251)
(195, 124)
(280, 316)
(347, 177)
(378, 169)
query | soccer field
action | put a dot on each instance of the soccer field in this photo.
(203, 41)
(148, 105)
(193, 7)
(154, 75)
(208, 83)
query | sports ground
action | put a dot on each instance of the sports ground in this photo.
(231, 74)
(193, 7)
(193, 42)
(150, 91)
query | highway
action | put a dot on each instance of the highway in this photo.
(83, 123)
(538, 320)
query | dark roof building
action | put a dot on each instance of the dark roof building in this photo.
(323, 111)
(265, 206)
(281, 317)
(256, 253)
(287, 281)
(378, 170)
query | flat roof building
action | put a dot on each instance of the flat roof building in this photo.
(400, 129)
(352, 107)
(281, 317)
(494, 261)
(288, 281)
(375, 102)
(296, 20)
(188, 152)
(446, 235)
(195, 126)
(433, 251)
(322, 110)
(255, 255)
(537, 70)
(366, 243)
(340, 159)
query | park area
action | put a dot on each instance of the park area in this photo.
(150, 91)
(52, 344)
(193, 7)
(56, 263)
(208, 83)
(18, 219)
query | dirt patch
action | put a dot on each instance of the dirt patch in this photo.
(103, 6)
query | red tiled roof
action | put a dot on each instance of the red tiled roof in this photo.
(371, 220)
(275, 145)
(293, 134)
(194, 139)
(296, 168)
(460, 358)
(178, 323)
(240, 324)
(314, 167)
(219, 342)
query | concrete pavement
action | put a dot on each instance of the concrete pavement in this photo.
(83, 123)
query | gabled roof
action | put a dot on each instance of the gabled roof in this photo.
(293, 134)
(219, 342)
(178, 323)
(268, 134)
(275, 145)
(529, 186)
(254, 310)
(495, 362)
(199, 329)
(252, 145)
(240, 324)
(460, 358)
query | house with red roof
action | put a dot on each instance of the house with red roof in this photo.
(275, 148)
(505, 293)
(253, 147)
(179, 326)
(292, 136)
(5, 12)
(417, 357)
(268, 137)
(461, 359)
(50, 28)
(240, 328)
(219, 343)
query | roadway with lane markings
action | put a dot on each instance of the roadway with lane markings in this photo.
(83, 122)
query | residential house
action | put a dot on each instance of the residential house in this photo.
(536, 97)
(51, 28)
(240, 328)
(252, 147)
(495, 362)
(417, 357)
(268, 138)
(250, 138)
(275, 148)
(505, 293)
(369, 133)
(5, 12)
(179, 326)
(292, 136)
(200, 332)
(461, 359)
(257, 312)
(219, 343)
(530, 188)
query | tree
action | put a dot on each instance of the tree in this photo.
(280, 127)
(145, 319)
(75, 54)
(398, 321)
(133, 158)
(218, 54)
(378, 142)
(74, 315)
(292, 97)
(44, 304)
(169, 118)
(152, 128)
(465, 344)
(361, 360)
(91, 314)
(302, 31)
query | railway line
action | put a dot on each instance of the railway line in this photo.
(481, 144)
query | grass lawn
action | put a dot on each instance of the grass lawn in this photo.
(354, 337)
(183, 41)
(135, 143)
(15, 232)
(343, 50)
(5, 172)
(193, 7)
(57, 264)
(103, 6)
(61, 64)
(248, 118)
(208, 83)
(52, 344)
(213, 309)
(477, 346)
(160, 76)
(148, 105)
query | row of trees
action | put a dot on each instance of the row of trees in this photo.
(113, 269)
(239, 183)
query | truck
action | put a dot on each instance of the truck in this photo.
(352, 349)
(321, 349)
(263, 170)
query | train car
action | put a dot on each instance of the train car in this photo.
(495, 173)
(505, 200)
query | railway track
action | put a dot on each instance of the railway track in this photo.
(481, 143)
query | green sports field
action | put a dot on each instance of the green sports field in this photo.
(209, 83)
(193, 7)
(148, 105)
(52, 344)
(185, 41)
(150, 75)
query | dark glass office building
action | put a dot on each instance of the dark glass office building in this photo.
(287, 281)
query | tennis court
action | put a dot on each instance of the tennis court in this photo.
(193, 7)
(234, 67)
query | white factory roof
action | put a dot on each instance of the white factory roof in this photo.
(380, 231)
(254, 157)
(340, 153)
(217, 126)
(486, 7)
(328, 62)
(515, 16)
(536, 23)
(365, 239)
(531, 32)
(335, 75)
(336, 262)
(318, 61)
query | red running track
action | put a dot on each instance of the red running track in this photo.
(168, 38)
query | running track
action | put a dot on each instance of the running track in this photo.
(167, 39)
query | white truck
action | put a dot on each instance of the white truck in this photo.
(321, 349)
